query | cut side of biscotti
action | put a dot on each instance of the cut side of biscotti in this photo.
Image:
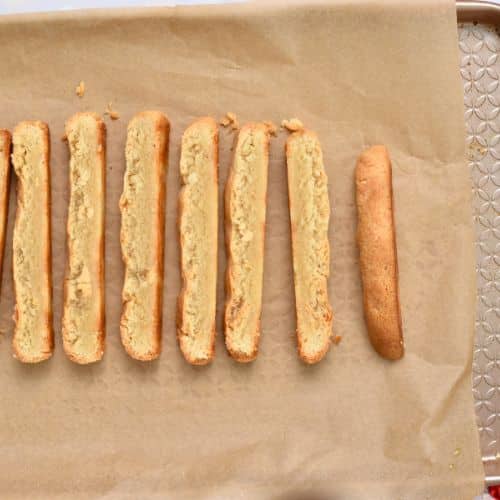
(142, 207)
(245, 219)
(376, 236)
(31, 254)
(309, 214)
(5, 144)
(198, 241)
(83, 315)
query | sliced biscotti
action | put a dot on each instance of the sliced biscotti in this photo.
(245, 219)
(309, 214)
(142, 207)
(198, 241)
(5, 144)
(31, 254)
(83, 323)
(376, 237)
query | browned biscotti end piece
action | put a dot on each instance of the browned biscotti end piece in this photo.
(376, 235)
(5, 144)
(83, 325)
(198, 241)
(142, 207)
(310, 215)
(245, 219)
(33, 339)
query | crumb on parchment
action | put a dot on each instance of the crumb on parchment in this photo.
(80, 89)
(293, 124)
(271, 127)
(113, 114)
(337, 339)
(230, 119)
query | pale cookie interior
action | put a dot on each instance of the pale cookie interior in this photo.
(30, 244)
(310, 213)
(246, 211)
(140, 205)
(198, 233)
(82, 321)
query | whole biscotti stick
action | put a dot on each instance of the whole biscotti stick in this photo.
(5, 144)
(142, 207)
(83, 324)
(245, 220)
(31, 254)
(198, 241)
(309, 215)
(377, 252)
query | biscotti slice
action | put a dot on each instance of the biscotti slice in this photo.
(83, 323)
(31, 254)
(245, 219)
(377, 252)
(5, 143)
(142, 207)
(309, 214)
(198, 241)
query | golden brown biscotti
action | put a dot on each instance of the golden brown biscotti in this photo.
(198, 241)
(376, 237)
(83, 324)
(309, 215)
(245, 221)
(31, 254)
(142, 207)
(5, 144)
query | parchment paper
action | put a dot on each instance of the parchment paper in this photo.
(354, 426)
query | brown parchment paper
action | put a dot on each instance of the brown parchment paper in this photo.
(354, 426)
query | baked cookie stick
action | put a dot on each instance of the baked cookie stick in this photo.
(198, 241)
(377, 252)
(245, 220)
(31, 254)
(83, 323)
(142, 207)
(5, 143)
(310, 215)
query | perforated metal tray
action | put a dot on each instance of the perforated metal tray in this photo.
(479, 42)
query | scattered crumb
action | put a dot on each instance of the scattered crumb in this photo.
(230, 119)
(337, 339)
(80, 89)
(476, 150)
(293, 124)
(113, 114)
(451, 466)
(271, 128)
(64, 137)
(457, 452)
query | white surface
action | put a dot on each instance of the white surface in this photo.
(21, 6)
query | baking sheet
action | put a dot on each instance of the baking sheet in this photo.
(480, 70)
(354, 426)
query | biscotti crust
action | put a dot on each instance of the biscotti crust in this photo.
(5, 146)
(376, 236)
(33, 339)
(198, 220)
(83, 314)
(245, 219)
(309, 215)
(142, 207)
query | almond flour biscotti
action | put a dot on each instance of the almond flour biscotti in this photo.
(83, 324)
(377, 252)
(198, 241)
(142, 207)
(245, 216)
(5, 144)
(31, 254)
(309, 214)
